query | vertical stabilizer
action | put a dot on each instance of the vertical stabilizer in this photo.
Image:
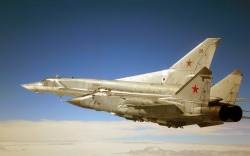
(201, 56)
(228, 88)
(195, 93)
(197, 88)
(184, 69)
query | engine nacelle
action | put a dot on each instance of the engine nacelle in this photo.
(225, 113)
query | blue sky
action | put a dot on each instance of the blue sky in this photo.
(109, 40)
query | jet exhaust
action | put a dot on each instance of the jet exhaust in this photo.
(225, 113)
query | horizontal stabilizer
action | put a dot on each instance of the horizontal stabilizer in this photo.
(240, 100)
(214, 100)
(245, 117)
(206, 124)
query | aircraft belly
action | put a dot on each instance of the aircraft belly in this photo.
(151, 112)
(116, 105)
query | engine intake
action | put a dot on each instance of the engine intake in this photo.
(225, 113)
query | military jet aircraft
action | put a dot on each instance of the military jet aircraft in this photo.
(179, 96)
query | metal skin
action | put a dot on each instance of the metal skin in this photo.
(163, 104)
(179, 73)
(174, 98)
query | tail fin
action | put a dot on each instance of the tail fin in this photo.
(179, 73)
(197, 88)
(228, 88)
(201, 56)
(194, 61)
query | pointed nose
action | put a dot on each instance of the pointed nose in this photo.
(29, 86)
(74, 101)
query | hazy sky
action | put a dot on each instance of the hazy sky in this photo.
(109, 40)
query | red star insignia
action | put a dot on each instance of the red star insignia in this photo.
(195, 89)
(189, 63)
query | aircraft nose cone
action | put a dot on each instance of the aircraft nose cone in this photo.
(28, 86)
(74, 101)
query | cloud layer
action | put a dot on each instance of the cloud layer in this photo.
(119, 138)
(156, 151)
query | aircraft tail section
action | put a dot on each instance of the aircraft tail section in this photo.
(228, 88)
(185, 68)
(196, 89)
(201, 56)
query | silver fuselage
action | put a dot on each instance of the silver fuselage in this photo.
(111, 101)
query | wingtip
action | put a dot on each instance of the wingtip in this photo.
(237, 72)
(215, 41)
